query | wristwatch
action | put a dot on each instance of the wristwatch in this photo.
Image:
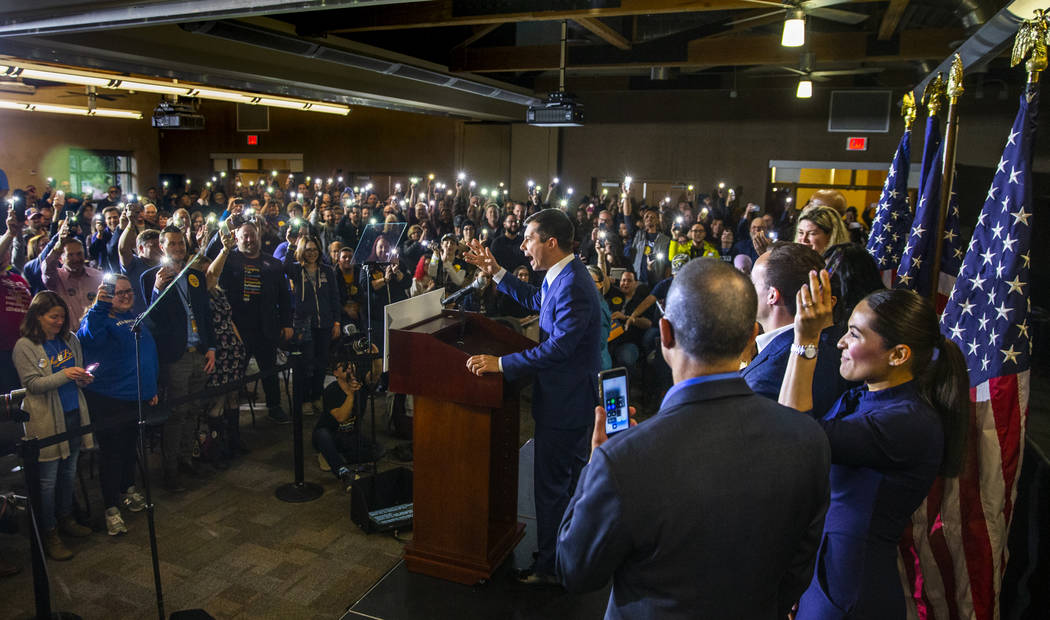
(805, 351)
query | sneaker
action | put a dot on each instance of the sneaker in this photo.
(322, 463)
(115, 523)
(278, 416)
(133, 500)
(347, 478)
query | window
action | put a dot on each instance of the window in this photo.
(91, 172)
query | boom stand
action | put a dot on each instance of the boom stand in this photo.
(136, 328)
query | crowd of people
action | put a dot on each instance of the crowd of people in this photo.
(702, 286)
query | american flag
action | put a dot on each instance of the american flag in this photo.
(916, 268)
(889, 229)
(959, 534)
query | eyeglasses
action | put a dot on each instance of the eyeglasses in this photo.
(124, 293)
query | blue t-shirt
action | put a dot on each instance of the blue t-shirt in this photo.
(61, 358)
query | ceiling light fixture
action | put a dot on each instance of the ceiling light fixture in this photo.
(115, 82)
(27, 106)
(805, 89)
(794, 29)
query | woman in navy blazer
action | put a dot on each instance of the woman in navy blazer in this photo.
(890, 438)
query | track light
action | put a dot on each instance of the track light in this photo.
(805, 89)
(794, 29)
(163, 87)
(27, 106)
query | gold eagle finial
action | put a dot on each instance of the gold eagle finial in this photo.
(908, 110)
(1033, 37)
(933, 95)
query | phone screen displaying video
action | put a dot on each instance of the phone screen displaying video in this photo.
(614, 395)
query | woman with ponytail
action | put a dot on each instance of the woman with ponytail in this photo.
(890, 438)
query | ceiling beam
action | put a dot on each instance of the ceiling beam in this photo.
(735, 51)
(891, 18)
(479, 32)
(440, 13)
(604, 32)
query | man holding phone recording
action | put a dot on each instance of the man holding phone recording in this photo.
(565, 365)
(715, 506)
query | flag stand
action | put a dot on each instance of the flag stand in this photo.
(951, 132)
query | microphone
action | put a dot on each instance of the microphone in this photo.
(463, 292)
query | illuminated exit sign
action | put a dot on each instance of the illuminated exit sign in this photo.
(856, 144)
(253, 139)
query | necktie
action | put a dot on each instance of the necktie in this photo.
(543, 291)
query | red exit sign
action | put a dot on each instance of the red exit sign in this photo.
(253, 139)
(856, 144)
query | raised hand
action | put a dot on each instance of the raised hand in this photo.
(814, 307)
(482, 258)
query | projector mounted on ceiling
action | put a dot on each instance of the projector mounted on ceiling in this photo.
(559, 110)
(178, 115)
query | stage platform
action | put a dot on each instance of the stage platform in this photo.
(401, 595)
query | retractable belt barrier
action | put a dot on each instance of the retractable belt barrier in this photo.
(155, 414)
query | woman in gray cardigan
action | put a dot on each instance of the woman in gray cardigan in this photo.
(49, 362)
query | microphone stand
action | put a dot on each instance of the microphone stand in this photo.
(136, 329)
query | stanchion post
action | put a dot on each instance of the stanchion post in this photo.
(300, 490)
(30, 453)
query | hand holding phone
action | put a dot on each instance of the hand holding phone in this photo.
(613, 388)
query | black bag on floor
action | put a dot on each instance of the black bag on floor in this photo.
(382, 502)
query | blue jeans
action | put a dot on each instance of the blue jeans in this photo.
(57, 480)
(625, 354)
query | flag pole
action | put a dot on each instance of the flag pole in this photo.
(951, 131)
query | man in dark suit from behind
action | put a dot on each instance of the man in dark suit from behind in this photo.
(778, 275)
(186, 345)
(714, 507)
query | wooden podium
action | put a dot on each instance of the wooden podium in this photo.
(465, 433)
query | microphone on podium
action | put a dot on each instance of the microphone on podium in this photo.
(463, 292)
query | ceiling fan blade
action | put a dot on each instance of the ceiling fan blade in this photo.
(781, 5)
(858, 71)
(809, 5)
(744, 20)
(794, 70)
(838, 15)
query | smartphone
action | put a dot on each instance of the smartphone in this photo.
(91, 368)
(109, 284)
(613, 384)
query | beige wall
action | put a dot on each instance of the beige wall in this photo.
(36, 145)
(706, 137)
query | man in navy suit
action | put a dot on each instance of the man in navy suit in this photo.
(714, 507)
(565, 365)
(186, 346)
(778, 275)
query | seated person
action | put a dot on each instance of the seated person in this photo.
(627, 348)
(337, 434)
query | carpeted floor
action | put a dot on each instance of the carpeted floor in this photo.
(226, 545)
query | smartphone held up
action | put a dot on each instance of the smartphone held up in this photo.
(613, 387)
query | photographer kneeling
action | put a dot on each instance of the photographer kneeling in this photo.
(337, 434)
(106, 337)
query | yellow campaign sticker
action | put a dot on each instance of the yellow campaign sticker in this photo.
(617, 300)
(192, 279)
